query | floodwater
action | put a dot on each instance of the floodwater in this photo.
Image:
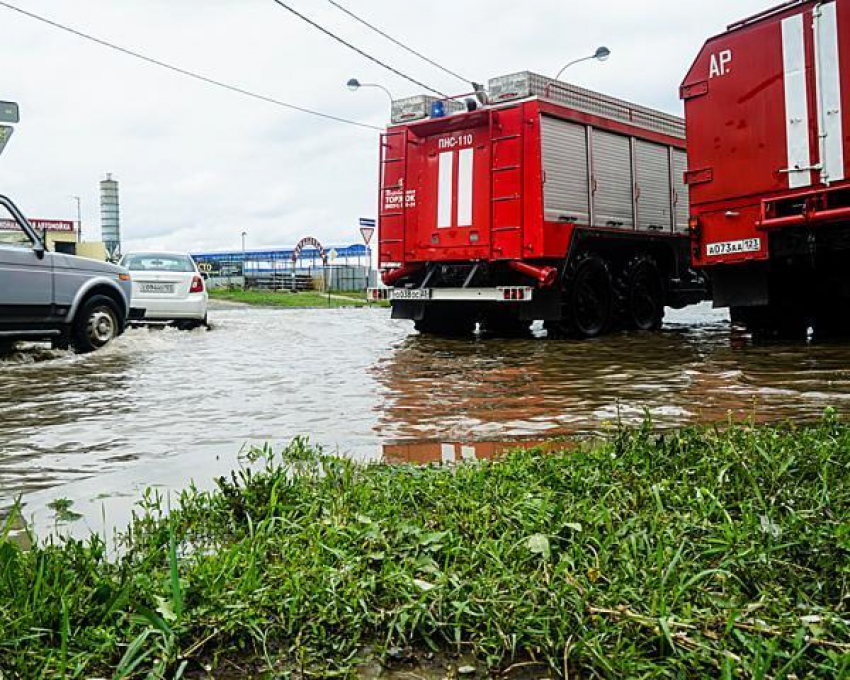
(162, 408)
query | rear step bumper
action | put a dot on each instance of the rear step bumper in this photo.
(511, 294)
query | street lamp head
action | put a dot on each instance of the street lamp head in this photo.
(601, 54)
(355, 85)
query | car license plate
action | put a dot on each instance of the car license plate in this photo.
(411, 294)
(157, 288)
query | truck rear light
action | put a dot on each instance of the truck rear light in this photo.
(378, 294)
(694, 226)
(516, 294)
(197, 285)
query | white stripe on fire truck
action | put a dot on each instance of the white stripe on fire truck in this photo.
(464, 190)
(829, 92)
(796, 103)
(445, 189)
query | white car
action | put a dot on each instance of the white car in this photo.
(168, 287)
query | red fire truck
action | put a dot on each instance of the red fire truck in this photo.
(539, 201)
(768, 137)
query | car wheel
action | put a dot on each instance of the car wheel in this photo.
(96, 325)
(192, 325)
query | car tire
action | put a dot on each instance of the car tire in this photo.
(192, 325)
(96, 325)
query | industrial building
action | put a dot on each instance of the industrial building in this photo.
(337, 268)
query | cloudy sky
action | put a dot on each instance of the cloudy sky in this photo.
(198, 165)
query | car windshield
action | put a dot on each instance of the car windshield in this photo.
(152, 262)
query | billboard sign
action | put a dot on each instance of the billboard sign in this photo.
(220, 268)
(55, 226)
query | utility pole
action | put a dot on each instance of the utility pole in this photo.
(79, 218)
(244, 262)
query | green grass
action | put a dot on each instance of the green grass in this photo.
(284, 299)
(699, 553)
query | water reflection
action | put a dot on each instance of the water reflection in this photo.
(697, 369)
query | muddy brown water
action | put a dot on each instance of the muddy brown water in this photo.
(161, 408)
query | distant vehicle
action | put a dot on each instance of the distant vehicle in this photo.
(66, 300)
(169, 286)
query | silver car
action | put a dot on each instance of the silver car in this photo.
(169, 287)
(46, 296)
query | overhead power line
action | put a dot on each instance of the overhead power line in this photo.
(185, 72)
(368, 56)
(398, 42)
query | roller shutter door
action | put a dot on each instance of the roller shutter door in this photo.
(681, 198)
(565, 191)
(652, 166)
(612, 174)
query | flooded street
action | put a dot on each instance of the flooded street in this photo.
(162, 407)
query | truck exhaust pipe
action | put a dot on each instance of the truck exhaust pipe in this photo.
(393, 276)
(545, 276)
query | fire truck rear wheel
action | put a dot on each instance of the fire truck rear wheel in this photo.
(643, 294)
(587, 300)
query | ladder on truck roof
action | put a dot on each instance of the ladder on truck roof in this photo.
(507, 177)
(398, 214)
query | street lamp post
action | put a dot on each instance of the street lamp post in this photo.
(355, 85)
(601, 54)
(79, 218)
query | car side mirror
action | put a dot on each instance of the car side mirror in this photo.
(39, 250)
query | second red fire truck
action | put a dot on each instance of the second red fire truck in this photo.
(769, 162)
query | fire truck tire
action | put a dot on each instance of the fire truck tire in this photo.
(587, 300)
(642, 293)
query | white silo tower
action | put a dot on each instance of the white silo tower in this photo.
(110, 217)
